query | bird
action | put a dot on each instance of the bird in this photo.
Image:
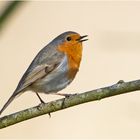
(53, 68)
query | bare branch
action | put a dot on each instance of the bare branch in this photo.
(119, 88)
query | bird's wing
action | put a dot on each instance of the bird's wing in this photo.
(37, 73)
(42, 65)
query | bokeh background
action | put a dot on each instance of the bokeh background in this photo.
(112, 53)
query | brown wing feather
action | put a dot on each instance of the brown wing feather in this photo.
(37, 73)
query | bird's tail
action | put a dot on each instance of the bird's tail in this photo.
(14, 95)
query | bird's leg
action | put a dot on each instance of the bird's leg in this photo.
(62, 94)
(42, 102)
(40, 98)
(66, 96)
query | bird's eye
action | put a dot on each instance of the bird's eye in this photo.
(68, 38)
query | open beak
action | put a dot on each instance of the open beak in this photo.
(81, 39)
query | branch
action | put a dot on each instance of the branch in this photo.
(76, 99)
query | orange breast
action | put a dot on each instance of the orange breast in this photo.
(74, 54)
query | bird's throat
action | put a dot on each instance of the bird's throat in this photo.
(74, 54)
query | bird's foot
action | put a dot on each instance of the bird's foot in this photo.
(66, 96)
(42, 102)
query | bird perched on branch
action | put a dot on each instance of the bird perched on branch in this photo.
(54, 67)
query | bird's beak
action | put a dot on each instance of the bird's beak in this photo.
(81, 38)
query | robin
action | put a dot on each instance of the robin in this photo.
(53, 68)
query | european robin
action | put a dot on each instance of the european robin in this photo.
(53, 68)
